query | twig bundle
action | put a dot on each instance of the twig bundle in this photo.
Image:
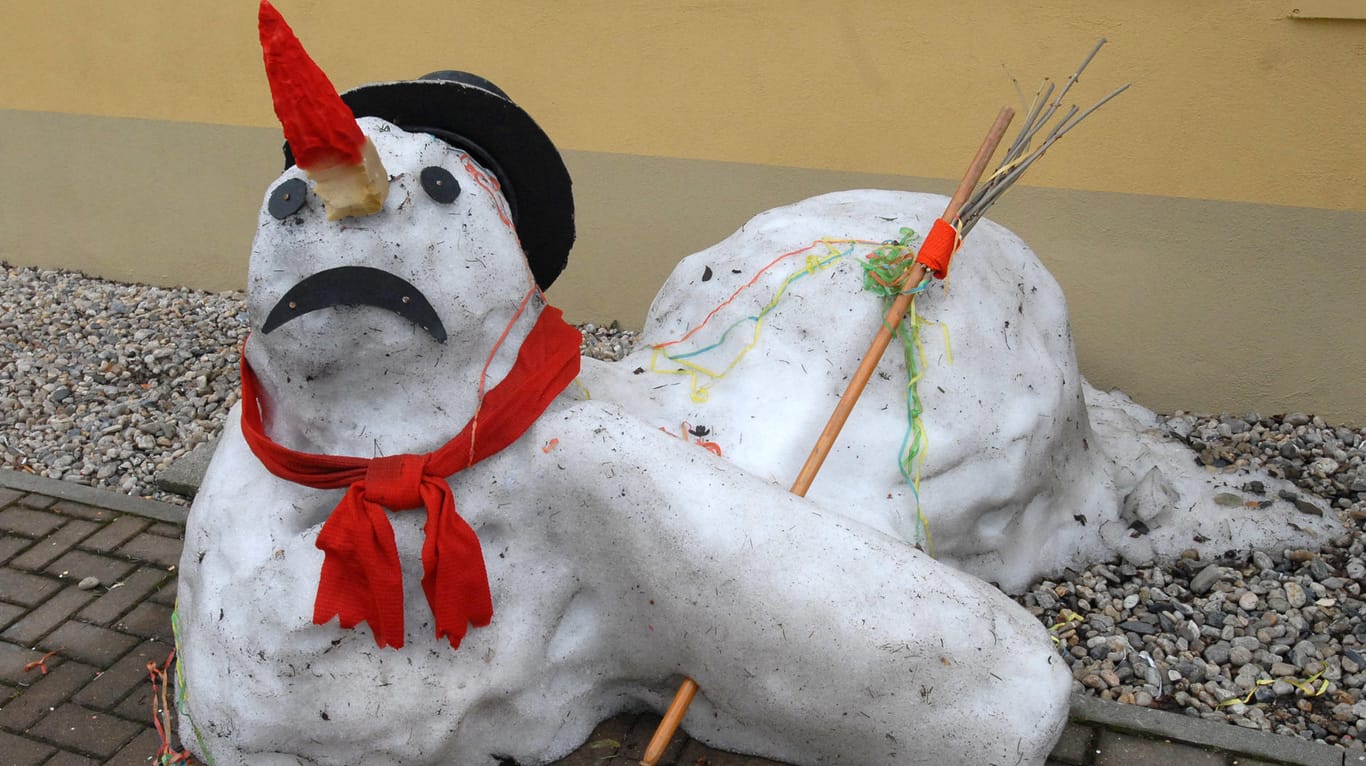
(1042, 110)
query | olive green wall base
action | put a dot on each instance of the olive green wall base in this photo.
(1208, 306)
(133, 200)
(1181, 303)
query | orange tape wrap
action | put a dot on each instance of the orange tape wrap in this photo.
(938, 249)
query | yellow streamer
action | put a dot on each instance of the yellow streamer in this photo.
(1306, 686)
(1068, 617)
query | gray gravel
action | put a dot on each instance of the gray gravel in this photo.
(1269, 640)
(106, 384)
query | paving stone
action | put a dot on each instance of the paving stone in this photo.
(89, 643)
(1074, 744)
(639, 729)
(12, 545)
(695, 752)
(77, 565)
(174, 531)
(35, 500)
(9, 613)
(82, 511)
(154, 548)
(139, 752)
(147, 620)
(673, 752)
(8, 496)
(166, 594)
(114, 684)
(115, 533)
(46, 693)
(26, 589)
(137, 706)
(602, 746)
(1116, 749)
(21, 751)
(46, 550)
(73, 727)
(13, 658)
(63, 758)
(123, 595)
(29, 522)
(43, 620)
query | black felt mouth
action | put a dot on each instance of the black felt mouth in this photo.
(357, 286)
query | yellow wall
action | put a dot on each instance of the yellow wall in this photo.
(1207, 226)
(1233, 100)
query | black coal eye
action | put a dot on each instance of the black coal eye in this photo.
(287, 198)
(440, 184)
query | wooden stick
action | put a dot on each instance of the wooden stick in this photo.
(683, 697)
(896, 313)
(669, 723)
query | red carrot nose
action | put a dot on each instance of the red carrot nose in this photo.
(319, 126)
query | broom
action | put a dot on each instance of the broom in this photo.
(967, 206)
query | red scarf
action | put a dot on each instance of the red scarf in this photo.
(361, 579)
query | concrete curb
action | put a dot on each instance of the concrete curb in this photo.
(1157, 724)
(101, 498)
(184, 476)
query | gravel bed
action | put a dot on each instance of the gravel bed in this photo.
(1268, 640)
(105, 384)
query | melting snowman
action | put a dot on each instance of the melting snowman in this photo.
(420, 542)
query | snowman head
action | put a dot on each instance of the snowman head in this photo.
(419, 205)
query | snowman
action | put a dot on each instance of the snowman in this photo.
(422, 542)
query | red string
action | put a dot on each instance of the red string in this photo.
(161, 713)
(757, 276)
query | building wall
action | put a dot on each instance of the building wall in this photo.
(1207, 226)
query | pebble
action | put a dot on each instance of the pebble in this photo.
(105, 384)
(1294, 595)
(1205, 579)
(88, 583)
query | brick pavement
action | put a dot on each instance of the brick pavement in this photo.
(94, 703)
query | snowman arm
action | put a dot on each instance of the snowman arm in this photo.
(766, 598)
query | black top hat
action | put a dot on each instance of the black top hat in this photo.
(472, 114)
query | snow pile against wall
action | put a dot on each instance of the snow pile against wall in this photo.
(1022, 468)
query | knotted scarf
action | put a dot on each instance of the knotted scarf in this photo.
(361, 578)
